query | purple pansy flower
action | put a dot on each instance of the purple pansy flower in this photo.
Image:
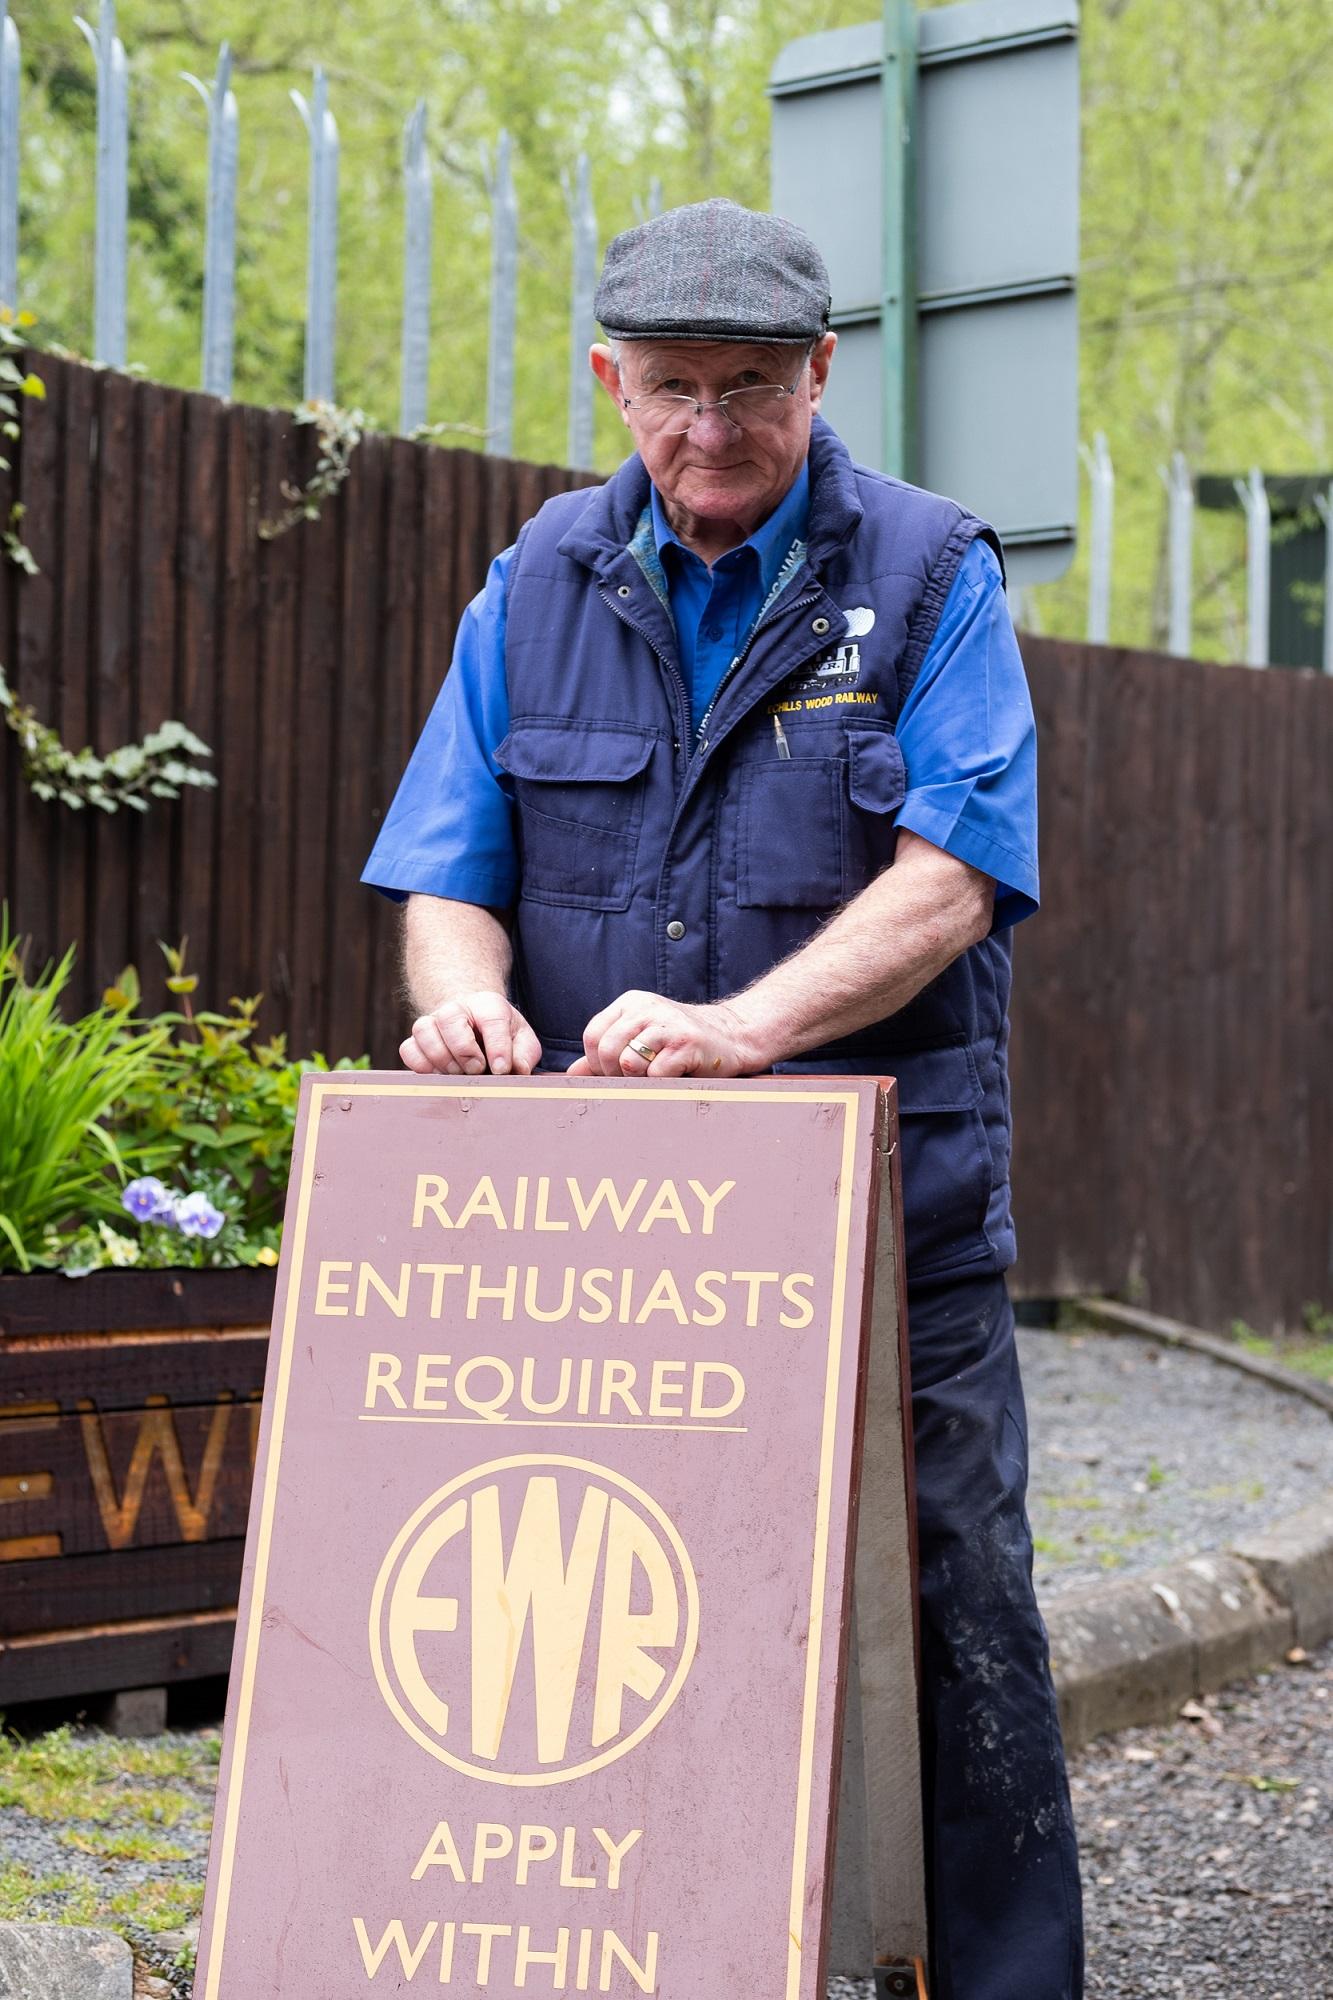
(148, 1201)
(196, 1216)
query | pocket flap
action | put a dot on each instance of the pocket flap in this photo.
(877, 775)
(936, 1079)
(570, 754)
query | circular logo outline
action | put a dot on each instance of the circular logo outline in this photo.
(665, 1700)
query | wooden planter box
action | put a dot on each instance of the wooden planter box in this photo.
(129, 1413)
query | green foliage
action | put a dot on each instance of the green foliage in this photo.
(58, 1083)
(59, 1898)
(1207, 255)
(69, 1775)
(15, 384)
(339, 432)
(194, 1098)
(672, 90)
(126, 1843)
(217, 1115)
(1307, 1354)
(13, 544)
(115, 1799)
(133, 775)
(1206, 281)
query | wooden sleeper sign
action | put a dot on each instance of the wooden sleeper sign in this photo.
(538, 1674)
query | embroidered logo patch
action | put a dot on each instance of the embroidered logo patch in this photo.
(830, 674)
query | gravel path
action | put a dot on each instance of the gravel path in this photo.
(1208, 1849)
(109, 1833)
(1142, 1455)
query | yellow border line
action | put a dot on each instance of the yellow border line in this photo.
(255, 1602)
(343, 1086)
(819, 1578)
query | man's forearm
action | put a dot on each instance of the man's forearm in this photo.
(872, 958)
(450, 949)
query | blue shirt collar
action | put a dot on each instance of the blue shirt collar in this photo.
(771, 539)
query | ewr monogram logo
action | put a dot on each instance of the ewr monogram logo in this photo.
(536, 1617)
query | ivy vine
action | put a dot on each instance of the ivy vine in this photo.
(15, 384)
(339, 432)
(132, 776)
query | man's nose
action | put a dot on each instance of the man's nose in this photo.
(712, 429)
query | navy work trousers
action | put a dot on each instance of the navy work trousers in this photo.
(1001, 1860)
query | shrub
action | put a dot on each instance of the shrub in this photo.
(58, 1083)
(155, 1142)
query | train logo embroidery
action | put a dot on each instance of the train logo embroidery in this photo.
(833, 673)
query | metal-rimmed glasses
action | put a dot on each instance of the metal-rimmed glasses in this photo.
(669, 415)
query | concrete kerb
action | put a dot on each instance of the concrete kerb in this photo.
(1294, 1561)
(1110, 1316)
(1133, 1651)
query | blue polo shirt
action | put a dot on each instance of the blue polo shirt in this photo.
(714, 608)
(966, 729)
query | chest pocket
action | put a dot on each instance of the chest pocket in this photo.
(815, 829)
(579, 793)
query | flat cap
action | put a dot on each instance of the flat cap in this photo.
(713, 271)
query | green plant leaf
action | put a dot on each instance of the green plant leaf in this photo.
(16, 1240)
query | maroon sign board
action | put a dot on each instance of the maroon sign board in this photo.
(539, 1672)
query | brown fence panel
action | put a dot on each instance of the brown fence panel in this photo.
(1173, 1012)
(1172, 1045)
(307, 662)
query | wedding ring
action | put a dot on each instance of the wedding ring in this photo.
(642, 1050)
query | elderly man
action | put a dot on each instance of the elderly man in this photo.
(734, 772)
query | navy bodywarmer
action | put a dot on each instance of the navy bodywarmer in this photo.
(687, 855)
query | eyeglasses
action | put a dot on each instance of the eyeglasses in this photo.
(669, 415)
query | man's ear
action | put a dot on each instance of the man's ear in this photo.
(602, 362)
(821, 355)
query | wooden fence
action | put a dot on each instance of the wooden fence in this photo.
(1173, 1024)
(1172, 1045)
(308, 663)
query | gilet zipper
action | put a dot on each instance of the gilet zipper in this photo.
(796, 604)
(673, 674)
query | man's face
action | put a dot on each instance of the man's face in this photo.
(716, 471)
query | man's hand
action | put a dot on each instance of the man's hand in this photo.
(865, 964)
(465, 1037)
(685, 1041)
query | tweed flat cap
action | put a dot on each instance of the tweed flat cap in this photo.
(713, 271)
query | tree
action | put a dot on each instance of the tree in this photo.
(1207, 276)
